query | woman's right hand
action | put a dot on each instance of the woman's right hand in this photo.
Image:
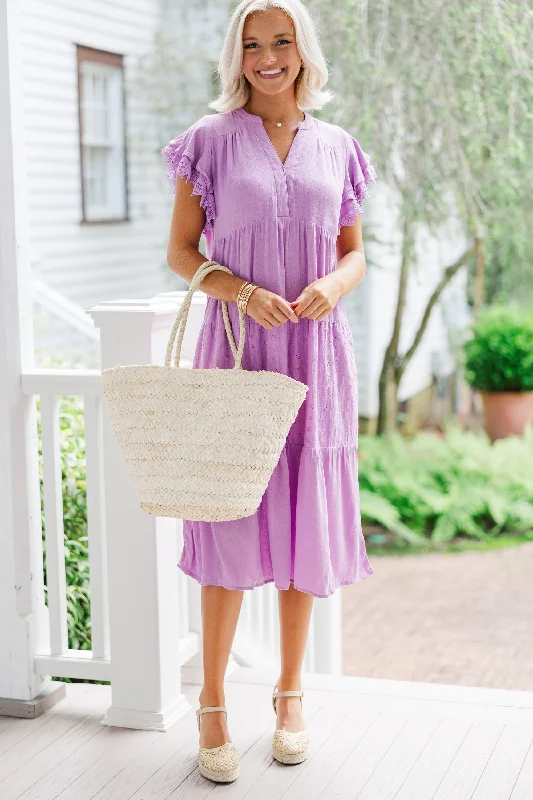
(269, 309)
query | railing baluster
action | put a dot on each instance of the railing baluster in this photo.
(309, 660)
(274, 610)
(54, 530)
(183, 591)
(96, 525)
(268, 619)
(259, 628)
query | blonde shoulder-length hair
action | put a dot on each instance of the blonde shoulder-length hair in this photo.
(235, 88)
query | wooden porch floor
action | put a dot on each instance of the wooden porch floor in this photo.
(371, 739)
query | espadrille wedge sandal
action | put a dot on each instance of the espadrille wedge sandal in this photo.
(220, 764)
(287, 746)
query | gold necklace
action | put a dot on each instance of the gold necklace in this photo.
(279, 124)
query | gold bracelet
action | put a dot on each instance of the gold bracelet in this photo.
(243, 295)
(246, 297)
(239, 294)
(243, 290)
(242, 303)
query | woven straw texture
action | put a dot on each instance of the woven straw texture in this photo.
(201, 444)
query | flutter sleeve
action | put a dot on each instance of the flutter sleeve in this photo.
(359, 172)
(189, 156)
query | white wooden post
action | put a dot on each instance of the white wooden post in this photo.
(23, 613)
(327, 634)
(144, 608)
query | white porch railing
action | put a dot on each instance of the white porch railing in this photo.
(145, 613)
(50, 385)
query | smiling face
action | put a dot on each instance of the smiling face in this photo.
(271, 61)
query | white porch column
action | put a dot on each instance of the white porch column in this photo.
(144, 611)
(23, 613)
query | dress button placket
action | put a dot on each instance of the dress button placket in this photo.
(283, 194)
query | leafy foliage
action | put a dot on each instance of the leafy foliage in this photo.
(72, 446)
(442, 488)
(499, 356)
(440, 97)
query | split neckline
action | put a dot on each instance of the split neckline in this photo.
(292, 156)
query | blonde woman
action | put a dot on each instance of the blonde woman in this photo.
(278, 195)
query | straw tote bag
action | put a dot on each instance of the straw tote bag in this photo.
(201, 444)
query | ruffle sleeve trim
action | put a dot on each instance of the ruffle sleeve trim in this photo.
(188, 157)
(359, 173)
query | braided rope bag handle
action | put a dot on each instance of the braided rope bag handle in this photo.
(181, 319)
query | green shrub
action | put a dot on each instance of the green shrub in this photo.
(72, 448)
(438, 488)
(499, 356)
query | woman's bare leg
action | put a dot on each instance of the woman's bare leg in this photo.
(220, 615)
(294, 615)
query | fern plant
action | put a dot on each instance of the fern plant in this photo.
(435, 488)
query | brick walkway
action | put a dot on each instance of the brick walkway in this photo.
(457, 618)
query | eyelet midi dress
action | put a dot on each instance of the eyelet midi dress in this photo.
(276, 224)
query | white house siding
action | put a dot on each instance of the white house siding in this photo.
(90, 263)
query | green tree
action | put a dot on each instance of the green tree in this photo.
(441, 95)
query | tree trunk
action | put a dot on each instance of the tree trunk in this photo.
(390, 378)
(388, 398)
(395, 365)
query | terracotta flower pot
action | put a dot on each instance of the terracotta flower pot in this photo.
(506, 413)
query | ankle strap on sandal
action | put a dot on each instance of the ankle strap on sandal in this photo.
(204, 709)
(288, 693)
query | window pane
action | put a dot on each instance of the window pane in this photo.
(103, 125)
(96, 176)
(95, 109)
(88, 124)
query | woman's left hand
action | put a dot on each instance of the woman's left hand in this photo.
(318, 299)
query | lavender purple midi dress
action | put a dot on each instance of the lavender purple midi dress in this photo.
(276, 224)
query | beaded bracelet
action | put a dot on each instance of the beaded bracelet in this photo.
(243, 295)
